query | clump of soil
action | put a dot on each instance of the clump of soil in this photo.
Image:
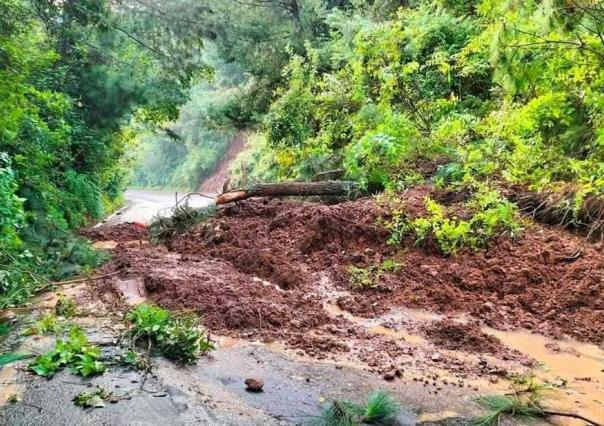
(453, 335)
(120, 232)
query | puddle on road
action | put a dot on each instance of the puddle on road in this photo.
(581, 365)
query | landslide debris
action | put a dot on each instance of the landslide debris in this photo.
(266, 269)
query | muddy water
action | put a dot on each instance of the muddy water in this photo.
(577, 369)
(372, 325)
(579, 365)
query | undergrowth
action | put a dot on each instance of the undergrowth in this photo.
(176, 337)
(486, 215)
(525, 403)
(380, 409)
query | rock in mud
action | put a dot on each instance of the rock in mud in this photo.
(254, 385)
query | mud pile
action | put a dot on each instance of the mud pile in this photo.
(277, 271)
(548, 280)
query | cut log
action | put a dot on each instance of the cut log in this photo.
(300, 189)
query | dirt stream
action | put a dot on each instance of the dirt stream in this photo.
(276, 271)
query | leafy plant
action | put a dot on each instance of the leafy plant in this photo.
(489, 216)
(176, 337)
(135, 360)
(46, 325)
(380, 409)
(65, 306)
(76, 352)
(94, 399)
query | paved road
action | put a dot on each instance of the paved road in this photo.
(142, 205)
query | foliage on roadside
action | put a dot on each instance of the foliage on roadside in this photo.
(73, 75)
(176, 337)
(496, 91)
(48, 324)
(75, 352)
(525, 403)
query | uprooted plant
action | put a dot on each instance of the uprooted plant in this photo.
(163, 229)
(524, 403)
(176, 337)
(380, 409)
(76, 352)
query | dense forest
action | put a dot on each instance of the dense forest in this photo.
(500, 97)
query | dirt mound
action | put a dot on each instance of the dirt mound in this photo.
(213, 184)
(120, 232)
(279, 271)
(548, 281)
(457, 336)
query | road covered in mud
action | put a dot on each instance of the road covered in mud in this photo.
(278, 272)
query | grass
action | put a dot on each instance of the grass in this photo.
(380, 409)
(370, 277)
(525, 404)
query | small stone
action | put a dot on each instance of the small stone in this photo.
(254, 385)
(436, 357)
(388, 376)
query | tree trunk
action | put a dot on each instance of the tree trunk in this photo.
(300, 189)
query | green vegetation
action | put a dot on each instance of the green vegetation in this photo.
(489, 216)
(380, 409)
(93, 399)
(78, 81)
(75, 352)
(48, 324)
(488, 94)
(136, 361)
(65, 306)
(176, 337)
(525, 404)
(365, 278)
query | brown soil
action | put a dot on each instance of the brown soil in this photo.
(453, 335)
(120, 232)
(265, 269)
(213, 184)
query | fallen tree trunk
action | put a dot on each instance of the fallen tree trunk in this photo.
(300, 189)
